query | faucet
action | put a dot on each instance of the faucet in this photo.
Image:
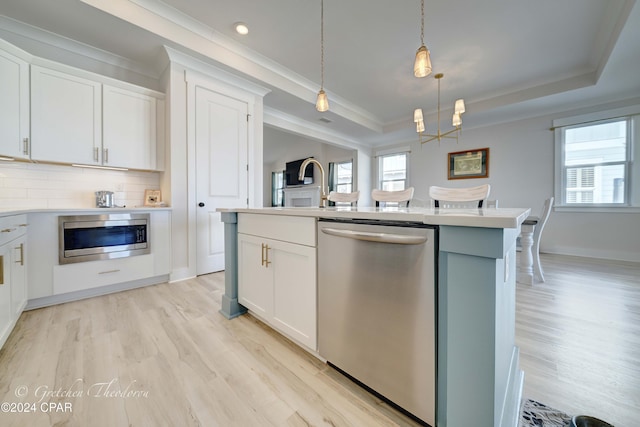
(323, 194)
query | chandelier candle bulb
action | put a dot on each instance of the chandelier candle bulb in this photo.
(459, 106)
(417, 115)
(457, 120)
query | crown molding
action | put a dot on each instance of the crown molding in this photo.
(171, 24)
(35, 36)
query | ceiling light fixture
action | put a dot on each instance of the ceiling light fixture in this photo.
(241, 28)
(322, 103)
(422, 66)
(458, 109)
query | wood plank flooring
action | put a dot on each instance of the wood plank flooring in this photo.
(579, 338)
(164, 356)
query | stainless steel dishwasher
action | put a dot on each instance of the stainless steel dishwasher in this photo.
(376, 308)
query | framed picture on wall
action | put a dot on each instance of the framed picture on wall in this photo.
(469, 164)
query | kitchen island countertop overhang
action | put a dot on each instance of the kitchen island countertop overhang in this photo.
(482, 217)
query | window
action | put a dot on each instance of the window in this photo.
(392, 172)
(341, 177)
(594, 161)
(277, 188)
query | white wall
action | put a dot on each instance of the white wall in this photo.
(43, 186)
(521, 174)
(281, 147)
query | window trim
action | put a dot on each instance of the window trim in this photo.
(632, 162)
(394, 152)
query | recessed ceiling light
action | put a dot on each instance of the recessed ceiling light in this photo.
(241, 28)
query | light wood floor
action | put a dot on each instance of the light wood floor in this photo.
(579, 338)
(180, 363)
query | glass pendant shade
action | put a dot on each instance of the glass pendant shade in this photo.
(422, 66)
(322, 103)
(459, 106)
(417, 115)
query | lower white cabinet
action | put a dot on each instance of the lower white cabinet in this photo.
(13, 272)
(87, 275)
(277, 282)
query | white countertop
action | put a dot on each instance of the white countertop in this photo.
(18, 211)
(485, 217)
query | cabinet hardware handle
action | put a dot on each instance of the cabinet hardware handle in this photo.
(95, 154)
(7, 230)
(265, 255)
(108, 271)
(21, 249)
(1, 269)
(105, 155)
(25, 145)
(23, 225)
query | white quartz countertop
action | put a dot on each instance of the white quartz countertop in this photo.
(17, 211)
(485, 217)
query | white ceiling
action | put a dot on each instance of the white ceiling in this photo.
(507, 59)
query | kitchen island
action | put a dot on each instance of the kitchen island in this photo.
(478, 380)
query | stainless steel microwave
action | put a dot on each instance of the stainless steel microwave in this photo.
(94, 237)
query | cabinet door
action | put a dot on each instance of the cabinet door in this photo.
(18, 276)
(294, 295)
(66, 117)
(14, 106)
(129, 129)
(6, 316)
(255, 279)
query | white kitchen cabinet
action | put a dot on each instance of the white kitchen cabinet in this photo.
(66, 117)
(277, 278)
(18, 275)
(13, 279)
(14, 106)
(129, 128)
(93, 274)
(79, 120)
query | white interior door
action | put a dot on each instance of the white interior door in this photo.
(221, 171)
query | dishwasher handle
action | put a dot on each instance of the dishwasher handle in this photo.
(398, 239)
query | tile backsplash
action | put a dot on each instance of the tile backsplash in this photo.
(40, 186)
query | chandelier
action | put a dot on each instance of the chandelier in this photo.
(458, 109)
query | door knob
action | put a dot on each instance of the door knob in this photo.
(201, 204)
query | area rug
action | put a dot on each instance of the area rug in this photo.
(536, 414)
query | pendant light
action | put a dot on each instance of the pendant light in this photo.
(322, 103)
(422, 66)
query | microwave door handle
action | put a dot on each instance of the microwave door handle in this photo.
(397, 239)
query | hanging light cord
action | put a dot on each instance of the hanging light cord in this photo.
(422, 23)
(322, 44)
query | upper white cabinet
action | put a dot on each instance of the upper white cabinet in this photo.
(66, 117)
(129, 128)
(78, 118)
(14, 106)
